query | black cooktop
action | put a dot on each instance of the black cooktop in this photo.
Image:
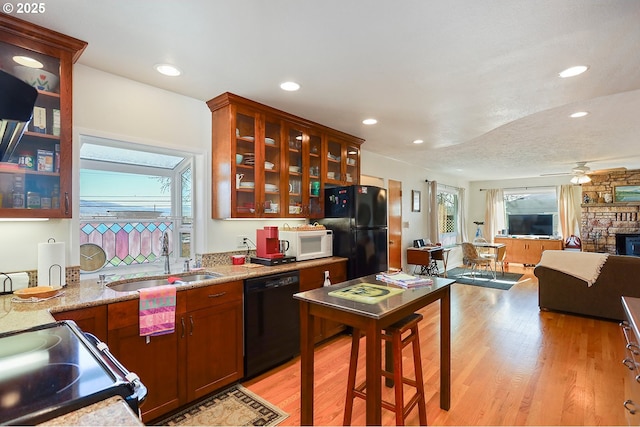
(51, 370)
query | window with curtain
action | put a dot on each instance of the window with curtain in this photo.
(447, 216)
(525, 201)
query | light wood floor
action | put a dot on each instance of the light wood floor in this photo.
(512, 364)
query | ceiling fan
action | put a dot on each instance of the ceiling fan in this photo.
(581, 172)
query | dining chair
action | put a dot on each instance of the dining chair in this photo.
(480, 241)
(472, 259)
(497, 257)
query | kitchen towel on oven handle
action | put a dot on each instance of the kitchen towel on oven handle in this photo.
(157, 310)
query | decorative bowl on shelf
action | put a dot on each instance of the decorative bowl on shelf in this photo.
(268, 165)
(270, 141)
(239, 158)
(295, 209)
(37, 78)
(294, 169)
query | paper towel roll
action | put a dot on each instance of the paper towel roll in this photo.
(51, 265)
(18, 281)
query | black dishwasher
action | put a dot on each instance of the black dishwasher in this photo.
(271, 321)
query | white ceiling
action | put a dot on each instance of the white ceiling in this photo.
(477, 80)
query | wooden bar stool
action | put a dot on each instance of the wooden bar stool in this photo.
(392, 334)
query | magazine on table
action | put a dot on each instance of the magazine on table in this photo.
(403, 279)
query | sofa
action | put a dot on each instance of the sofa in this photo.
(619, 276)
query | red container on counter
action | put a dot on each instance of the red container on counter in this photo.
(237, 259)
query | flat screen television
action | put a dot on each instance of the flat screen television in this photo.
(531, 224)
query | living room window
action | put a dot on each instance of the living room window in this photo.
(448, 224)
(130, 195)
(531, 201)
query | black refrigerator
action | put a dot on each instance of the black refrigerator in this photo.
(357, 215)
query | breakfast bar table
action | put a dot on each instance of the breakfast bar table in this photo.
(370, 305)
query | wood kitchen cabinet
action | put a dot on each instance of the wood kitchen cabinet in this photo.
(214, 338)
(35, 181)
(313, 278)
(157, 362)
(268, 163)
(203, 354)
(527, 251)
(342, 162)
(91, 319)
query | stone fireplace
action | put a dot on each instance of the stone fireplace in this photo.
(602, 222)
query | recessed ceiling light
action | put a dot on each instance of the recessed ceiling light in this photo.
(369, 121)
(289, 86)
(168, 70)
(418, 141)
(573, 71)
(579, 114)
(27, 61)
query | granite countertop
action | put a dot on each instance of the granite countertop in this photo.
(16, 314)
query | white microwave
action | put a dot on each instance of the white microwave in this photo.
(305, 245)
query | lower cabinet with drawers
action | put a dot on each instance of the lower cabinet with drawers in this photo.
(631, 361)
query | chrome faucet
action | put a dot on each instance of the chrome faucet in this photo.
(102, 279)
(165, 252)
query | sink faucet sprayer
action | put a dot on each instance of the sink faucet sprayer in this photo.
(165, 252)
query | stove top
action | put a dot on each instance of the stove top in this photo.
(51, 370)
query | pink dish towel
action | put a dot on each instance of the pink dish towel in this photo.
(157, 310)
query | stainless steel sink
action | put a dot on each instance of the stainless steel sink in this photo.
(198, 277)
(149, 283)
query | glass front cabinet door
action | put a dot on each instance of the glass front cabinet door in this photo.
(343, 162)
(244, 199)
(35, 174)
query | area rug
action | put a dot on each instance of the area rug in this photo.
(235, 406)
(484, 279)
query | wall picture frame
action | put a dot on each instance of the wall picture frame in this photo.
(415, 201)
(626, 193)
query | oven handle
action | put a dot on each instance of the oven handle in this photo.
(139, 388)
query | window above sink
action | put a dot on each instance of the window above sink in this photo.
(130, 194)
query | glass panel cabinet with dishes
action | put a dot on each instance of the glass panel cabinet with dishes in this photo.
(35, 169)
(268, 163)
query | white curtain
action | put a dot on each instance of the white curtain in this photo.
(569, 211)
(434, 234)
(494, 213)
(462, 216)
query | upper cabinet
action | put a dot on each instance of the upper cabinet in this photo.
(268, 163)
(35, 178)
(343, 162)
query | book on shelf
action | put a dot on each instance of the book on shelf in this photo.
(403, 279)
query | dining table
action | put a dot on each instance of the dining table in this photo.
(370, 305)
(493, 248)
